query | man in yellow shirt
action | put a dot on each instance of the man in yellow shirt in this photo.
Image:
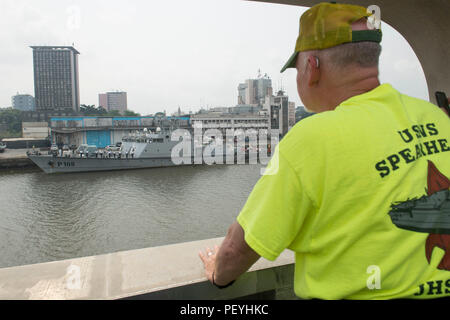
(362, 187)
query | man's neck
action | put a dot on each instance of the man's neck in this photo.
(354, 85)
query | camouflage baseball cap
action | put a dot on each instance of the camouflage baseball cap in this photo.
(327, 25)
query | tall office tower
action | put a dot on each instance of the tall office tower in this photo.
(254, 91)
(263, 87)
(279, 112)
(241, 93)
(113, 101)
(23, 102)
(56, 82)
(103, 101)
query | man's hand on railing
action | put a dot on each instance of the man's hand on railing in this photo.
(209, 261)
(228, 261)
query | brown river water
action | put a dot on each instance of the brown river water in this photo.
(61, 216)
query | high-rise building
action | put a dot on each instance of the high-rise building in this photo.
(56, 82)
(291, 114)
(254, 91)
(113, 101)
(241, 93)
(23, 102)
(117, 101)
(278, 107)
(301, 113)
(103, 100)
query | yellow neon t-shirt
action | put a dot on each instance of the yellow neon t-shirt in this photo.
(354, 193)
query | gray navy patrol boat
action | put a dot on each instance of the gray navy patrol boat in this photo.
(429, 214)
(138, 151)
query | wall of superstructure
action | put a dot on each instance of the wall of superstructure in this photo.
(104, 131)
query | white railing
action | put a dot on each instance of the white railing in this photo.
(166, 272)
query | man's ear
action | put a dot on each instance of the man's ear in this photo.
(314, 71)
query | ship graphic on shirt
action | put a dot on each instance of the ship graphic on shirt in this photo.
(429, 214)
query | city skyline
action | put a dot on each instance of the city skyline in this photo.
(165, 59)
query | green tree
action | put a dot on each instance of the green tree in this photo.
(113, 113)
(130, 113)
(12, 119)
(91, 110)
(102, 110)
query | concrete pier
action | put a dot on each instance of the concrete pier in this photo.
(15, 158)
(167, 272)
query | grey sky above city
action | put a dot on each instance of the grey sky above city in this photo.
(170, 54)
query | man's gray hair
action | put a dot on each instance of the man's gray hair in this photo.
(364, 54)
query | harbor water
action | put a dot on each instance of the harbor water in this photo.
(53, 217)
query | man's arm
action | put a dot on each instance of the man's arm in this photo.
(233, 258)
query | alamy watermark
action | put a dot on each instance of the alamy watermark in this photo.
(236, 147)
(374, 280)
(73, 281)
(74, 18)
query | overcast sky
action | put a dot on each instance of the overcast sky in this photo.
(172, 53)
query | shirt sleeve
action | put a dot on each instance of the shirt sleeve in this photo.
(274, 212)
